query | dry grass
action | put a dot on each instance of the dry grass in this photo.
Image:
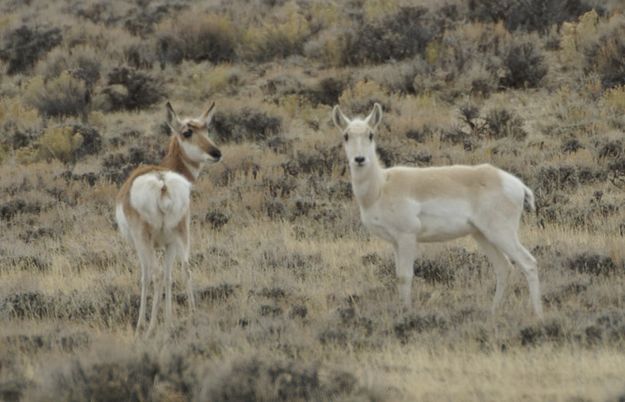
(296, 301)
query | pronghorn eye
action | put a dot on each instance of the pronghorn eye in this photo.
(187, 134)
(370, 136)
(346, 137)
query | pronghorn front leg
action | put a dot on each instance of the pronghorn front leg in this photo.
(405, 254)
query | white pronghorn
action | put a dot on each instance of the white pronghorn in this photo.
(406, 206)
(152, 208)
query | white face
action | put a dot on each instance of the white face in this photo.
(358, 136)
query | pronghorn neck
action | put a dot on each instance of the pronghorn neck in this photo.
(367, 182)
(179, 162)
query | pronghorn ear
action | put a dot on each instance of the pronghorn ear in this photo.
(375, 117)
(207, 116)
(172, 118)
(340, 120)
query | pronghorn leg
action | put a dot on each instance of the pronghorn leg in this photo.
(405, 254)
(186, 247)
(170, 258)
(147, 261)
(190, 296)
(157, 280)
(501, 265)
(509, 244)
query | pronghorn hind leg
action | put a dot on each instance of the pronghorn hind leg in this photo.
(147, 260)
(157, 280)
(509, 244)
(405, 254)
(170, 259)
(185, 246)
(501, 265)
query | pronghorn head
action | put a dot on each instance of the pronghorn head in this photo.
(191, 134)
(358, 135)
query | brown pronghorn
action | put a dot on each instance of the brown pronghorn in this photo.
(152, 208)
(406, 206)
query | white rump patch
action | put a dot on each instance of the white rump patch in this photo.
(513, 187)
(161, 198)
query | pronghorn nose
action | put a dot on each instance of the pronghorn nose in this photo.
(359, 159)
(216, 154)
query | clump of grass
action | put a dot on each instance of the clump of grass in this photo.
(61, 96)
(60, 143)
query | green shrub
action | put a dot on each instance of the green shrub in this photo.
(503, 123)
(59, 143)
(198, 37)
(245, 124)
(274, 41)
(394, 37)
(83, 61)
(525, 65)
(61, 96)
(129, 89)
(22, 47)
(529, 15)
(606, 56)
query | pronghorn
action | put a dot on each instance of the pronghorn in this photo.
(152, 208)
(405, 206)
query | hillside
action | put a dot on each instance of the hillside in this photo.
(296, 300)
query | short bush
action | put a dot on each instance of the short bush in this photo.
(142, 21)
(60, 143)
(275, 41)
(198, 37)
(61, 96)
(394, 37)
(262, 380)
(245, 124)
(503, 123)
(129, 89)
(606, 56)
(22, 47)
(360, 97)
(529, 15)
(83, 62)
(525, 65)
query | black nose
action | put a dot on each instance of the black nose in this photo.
(359, 159)
(216, 154)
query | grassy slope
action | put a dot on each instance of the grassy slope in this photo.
(297, 301)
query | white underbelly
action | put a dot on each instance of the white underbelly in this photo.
(443, 228)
